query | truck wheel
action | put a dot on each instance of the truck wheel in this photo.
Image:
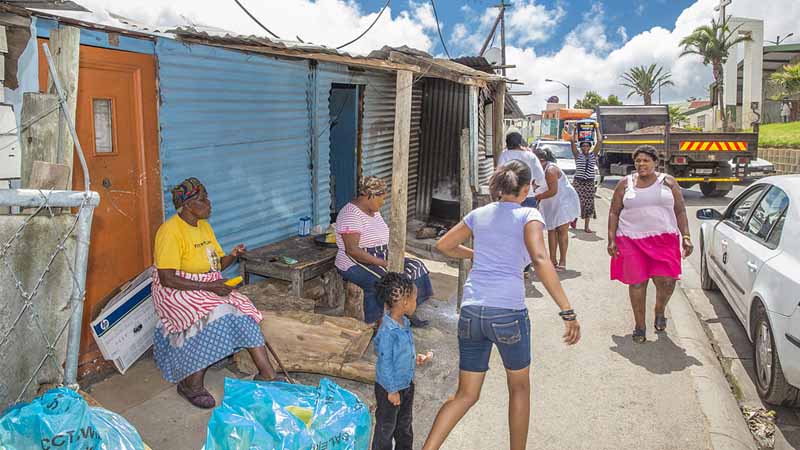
(710, 190)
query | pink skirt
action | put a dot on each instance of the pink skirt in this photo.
(641, 259)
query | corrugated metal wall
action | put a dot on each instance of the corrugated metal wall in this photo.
(378, 127)
(240, 123)
(378, 140)
(445, 113)
(485, 162)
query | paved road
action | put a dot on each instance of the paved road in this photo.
(604, 393)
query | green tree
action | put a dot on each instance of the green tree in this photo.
(645, 80)
(788, 79)
(677, 117)
(592, 100)
(714, 42)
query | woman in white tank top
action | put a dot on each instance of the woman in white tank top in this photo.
(647, 229)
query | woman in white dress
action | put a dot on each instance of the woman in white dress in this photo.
(559, 205)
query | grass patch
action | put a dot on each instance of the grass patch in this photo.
(779, 135)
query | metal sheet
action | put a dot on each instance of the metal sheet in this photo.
(485, 162)
(240, 123)
(377, 125)
(445, 114)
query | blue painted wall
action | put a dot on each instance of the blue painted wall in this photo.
(99, 38)
(240, 123)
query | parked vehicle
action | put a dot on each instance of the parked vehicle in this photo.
(714, 160)
(562, 150)
(751, 253)
(758, 168)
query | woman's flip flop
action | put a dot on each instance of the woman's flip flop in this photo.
(660, 323)
(639, 335)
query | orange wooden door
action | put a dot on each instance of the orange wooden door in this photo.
(117, 127)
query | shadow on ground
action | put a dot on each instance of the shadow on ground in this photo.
(661, 356)
(586, 237)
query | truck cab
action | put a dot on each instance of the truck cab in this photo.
(713, 160)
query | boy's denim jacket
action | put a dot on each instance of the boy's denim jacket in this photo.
(397, 357)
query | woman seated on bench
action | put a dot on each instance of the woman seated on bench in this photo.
(202, 319)
(363, 240)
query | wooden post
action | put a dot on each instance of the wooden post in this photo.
(498, 112)
(466, 207)
(65, 46)
(402, 137)
(40, 111)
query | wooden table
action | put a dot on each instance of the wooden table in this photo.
(312, 261)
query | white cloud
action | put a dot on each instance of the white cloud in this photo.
(529, 22)
(327, 22)
(579, 64)
(623, 33)
(459, 33)
(640, 8)
(591, 32)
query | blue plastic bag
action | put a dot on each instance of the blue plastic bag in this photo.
(62, 420)
(280, 416)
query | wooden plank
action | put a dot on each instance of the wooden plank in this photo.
(466, 207)
(38, 138)
(433, 69)
(45, 175)
(3, 40)
(369, 63)
(402, 139)
(498, 113)
(65, 47)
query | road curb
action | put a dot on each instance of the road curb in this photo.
(726, 426)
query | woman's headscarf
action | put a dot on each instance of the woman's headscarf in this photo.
(371, 187)
(187, 190)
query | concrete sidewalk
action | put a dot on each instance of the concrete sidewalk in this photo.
(607, 392)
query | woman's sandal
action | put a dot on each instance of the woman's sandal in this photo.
(639, 335)
(201, 399)
(660, 323)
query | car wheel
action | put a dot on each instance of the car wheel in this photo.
(706, 282)
(770, 382)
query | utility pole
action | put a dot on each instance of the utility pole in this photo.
(501, 19)
(721, 8)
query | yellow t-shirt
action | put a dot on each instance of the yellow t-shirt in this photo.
(183, 247)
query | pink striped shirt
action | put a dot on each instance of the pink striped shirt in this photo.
(373, 232)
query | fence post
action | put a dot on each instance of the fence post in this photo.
(84, 230)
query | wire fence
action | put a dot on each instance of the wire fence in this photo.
(43, 263)
(42, 275)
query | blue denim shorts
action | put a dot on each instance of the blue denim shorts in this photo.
(480, 327)
(530, 202)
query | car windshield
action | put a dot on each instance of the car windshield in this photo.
(561, 150)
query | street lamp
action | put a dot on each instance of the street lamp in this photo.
(548, 80)
(780, 39)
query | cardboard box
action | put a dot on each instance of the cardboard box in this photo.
(124, 328)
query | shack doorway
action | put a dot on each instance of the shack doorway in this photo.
(345, 106)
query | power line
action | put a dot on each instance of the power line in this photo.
(436, 16)
(368, 28)
(256, 20)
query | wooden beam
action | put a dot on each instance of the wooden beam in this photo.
(498, 110)
(38, 138)
(402, 139)
(368, 63)
(466, 206)
(65, 46)
(435, 70)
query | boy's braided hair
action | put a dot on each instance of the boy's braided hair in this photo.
(394, 286)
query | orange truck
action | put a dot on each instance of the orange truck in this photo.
(553, 122)
(713, 160)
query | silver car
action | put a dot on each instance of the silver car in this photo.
(562, 150)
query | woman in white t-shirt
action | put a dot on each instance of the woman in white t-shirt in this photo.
(506, 236)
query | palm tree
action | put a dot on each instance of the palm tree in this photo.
(644, 80)
(714, 42)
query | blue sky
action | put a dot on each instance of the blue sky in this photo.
(635, 15)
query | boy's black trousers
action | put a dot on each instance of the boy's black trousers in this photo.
(393, 422)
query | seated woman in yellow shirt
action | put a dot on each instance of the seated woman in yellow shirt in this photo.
(202, 319)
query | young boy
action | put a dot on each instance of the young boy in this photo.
(397, 358)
